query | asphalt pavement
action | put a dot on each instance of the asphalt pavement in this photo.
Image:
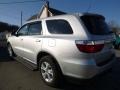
(16, 76)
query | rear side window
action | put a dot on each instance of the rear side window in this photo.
(59, 27)
(95, 24)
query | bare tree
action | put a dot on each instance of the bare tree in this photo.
(8, 27)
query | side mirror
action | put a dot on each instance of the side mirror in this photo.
(13, 33)
(16, 35)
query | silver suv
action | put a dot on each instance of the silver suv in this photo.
(77, 46)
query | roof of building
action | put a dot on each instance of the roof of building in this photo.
(55, 11)
(33, 17)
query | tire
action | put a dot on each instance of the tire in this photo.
(49, 71)
(10, 51)
(117, 46)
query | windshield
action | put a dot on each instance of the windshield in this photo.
(95, 24)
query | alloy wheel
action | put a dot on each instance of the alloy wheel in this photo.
(47, 71)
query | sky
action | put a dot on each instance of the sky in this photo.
(10, 13)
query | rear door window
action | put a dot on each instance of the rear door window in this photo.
(95, 24)
(59, 27)
(35, 28)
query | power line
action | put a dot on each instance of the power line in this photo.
(23, 2)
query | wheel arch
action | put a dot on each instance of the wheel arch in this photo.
(44, 53)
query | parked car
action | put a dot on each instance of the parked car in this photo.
(76, 46)
(117, 41)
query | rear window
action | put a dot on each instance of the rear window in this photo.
(95, 24)
(59, 27)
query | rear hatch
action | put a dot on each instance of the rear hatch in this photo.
(99, 33)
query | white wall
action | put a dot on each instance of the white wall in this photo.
(44, 13)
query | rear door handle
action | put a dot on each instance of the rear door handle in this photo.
(21, 39)
(38, 40)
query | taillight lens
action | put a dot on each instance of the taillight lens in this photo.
(90, 48)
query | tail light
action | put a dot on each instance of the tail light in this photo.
(90, 46)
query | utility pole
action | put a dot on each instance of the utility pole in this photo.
(21, 17)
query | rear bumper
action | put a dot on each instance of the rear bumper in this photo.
(87, 81)
(85, 70)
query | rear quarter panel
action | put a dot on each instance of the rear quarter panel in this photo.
(64, 50)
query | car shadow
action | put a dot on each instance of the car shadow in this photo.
(102, 83)
(107, 81)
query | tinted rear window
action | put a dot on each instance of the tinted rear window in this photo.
(59, 27)
(95, 24)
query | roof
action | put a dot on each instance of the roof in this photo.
(54, 17)
(62, 15)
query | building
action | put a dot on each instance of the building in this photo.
(46, 11)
